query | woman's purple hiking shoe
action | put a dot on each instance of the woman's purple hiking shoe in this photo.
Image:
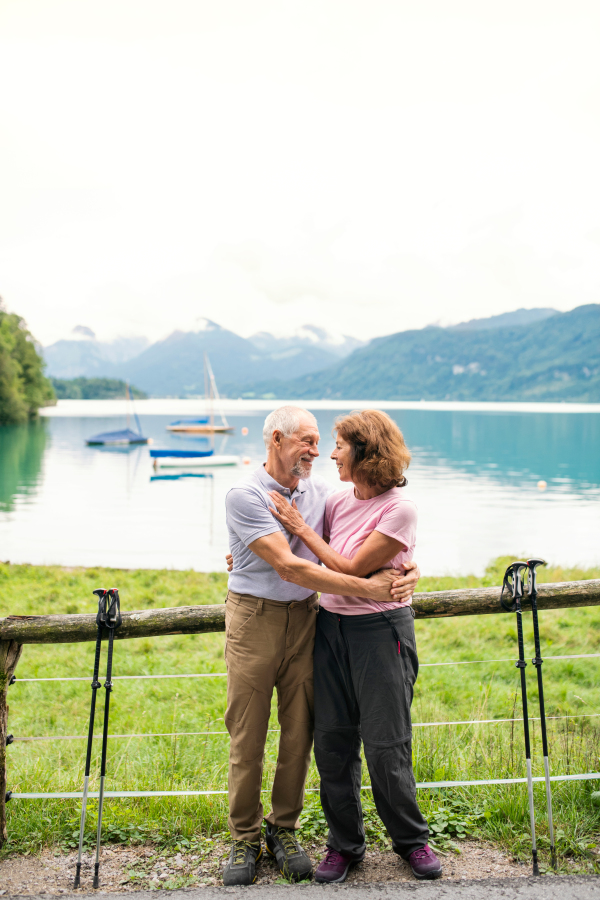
(334, 868)
(425, 863)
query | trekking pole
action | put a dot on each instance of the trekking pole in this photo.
(101, 593)
(513, 581)
(113, 620)
(537, 662)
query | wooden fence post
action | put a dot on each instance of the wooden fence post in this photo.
(10, 651)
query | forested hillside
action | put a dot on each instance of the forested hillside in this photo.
(94, 389)
(23, 386)
(554, 359)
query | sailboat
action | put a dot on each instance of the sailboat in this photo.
(125, 435)
(205, 424)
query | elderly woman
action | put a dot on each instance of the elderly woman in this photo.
(365, 662)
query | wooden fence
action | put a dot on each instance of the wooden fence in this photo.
(16, 631)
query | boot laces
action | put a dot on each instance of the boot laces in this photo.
(423, 853)
(240, 849)
(290, 845)
(333, 857)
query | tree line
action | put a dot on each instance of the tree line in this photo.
(23, 386)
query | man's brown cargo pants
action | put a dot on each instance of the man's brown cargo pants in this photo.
(269, 644)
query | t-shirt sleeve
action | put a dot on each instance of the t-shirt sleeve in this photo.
(248, 515)
(399, 521)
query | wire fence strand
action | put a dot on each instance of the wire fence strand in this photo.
(93, 795)
(462, 662)
(145, 734)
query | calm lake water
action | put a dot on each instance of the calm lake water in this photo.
(474, 478)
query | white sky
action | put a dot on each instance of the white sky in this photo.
(364, 166)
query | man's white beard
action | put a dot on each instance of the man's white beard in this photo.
(301, 469)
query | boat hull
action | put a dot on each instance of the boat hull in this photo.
(206, 462)
(114, 443)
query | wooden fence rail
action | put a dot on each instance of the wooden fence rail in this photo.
(15, 631)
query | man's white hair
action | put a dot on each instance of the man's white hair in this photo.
(285, 419)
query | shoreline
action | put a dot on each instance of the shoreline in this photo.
(177, 406)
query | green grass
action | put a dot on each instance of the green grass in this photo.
(447, 693)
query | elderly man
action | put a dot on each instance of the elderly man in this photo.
(270, 628)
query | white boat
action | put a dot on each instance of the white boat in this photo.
(206, 424)
(202, 462)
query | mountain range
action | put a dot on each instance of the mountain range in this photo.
(556, 357)
(535, 354)
(173, 367)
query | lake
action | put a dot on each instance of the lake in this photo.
(474, 478)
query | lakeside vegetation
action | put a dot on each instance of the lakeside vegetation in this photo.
(94, 389)
(199, 761)
(23, 386)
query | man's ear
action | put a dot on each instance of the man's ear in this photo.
(277, 435)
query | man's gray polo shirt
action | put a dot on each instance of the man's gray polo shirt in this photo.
(248, 518)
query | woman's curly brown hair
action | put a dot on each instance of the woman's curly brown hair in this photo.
(379, 453)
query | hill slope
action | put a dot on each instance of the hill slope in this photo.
(174, 367)
(557, 358)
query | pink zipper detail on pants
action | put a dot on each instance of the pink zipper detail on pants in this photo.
(399, 650)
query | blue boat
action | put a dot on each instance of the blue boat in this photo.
(178, 425)
(125, 436)
(176, 459)
(181, 475)
(180, 454)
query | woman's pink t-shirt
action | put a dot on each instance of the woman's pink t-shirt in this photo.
(349, 522)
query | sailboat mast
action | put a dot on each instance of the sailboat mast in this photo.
(214, 393)
(208, 390)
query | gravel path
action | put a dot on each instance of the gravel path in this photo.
(562, 887)
(140, 869)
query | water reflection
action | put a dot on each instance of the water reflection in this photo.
(473, 477)
(21, 453)
(561, 449)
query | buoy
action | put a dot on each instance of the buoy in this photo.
(541, 485)
(246, 460)
(244, 431)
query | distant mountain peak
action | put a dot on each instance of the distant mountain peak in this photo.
(204, 324)
(306, 336)
(83, 331)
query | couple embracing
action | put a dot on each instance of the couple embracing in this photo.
(290, 536)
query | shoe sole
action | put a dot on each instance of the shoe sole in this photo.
(285, 875)
(344, 876)
(431, 876)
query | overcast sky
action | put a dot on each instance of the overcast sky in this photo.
(364, 166)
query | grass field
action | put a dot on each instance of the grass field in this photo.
(486, 690)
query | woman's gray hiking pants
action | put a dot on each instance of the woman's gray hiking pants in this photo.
(365, 670)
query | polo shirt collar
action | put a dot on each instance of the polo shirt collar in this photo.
(271, 485)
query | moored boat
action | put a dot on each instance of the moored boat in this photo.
(125, 436)
(177, 459)
(205, 424)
